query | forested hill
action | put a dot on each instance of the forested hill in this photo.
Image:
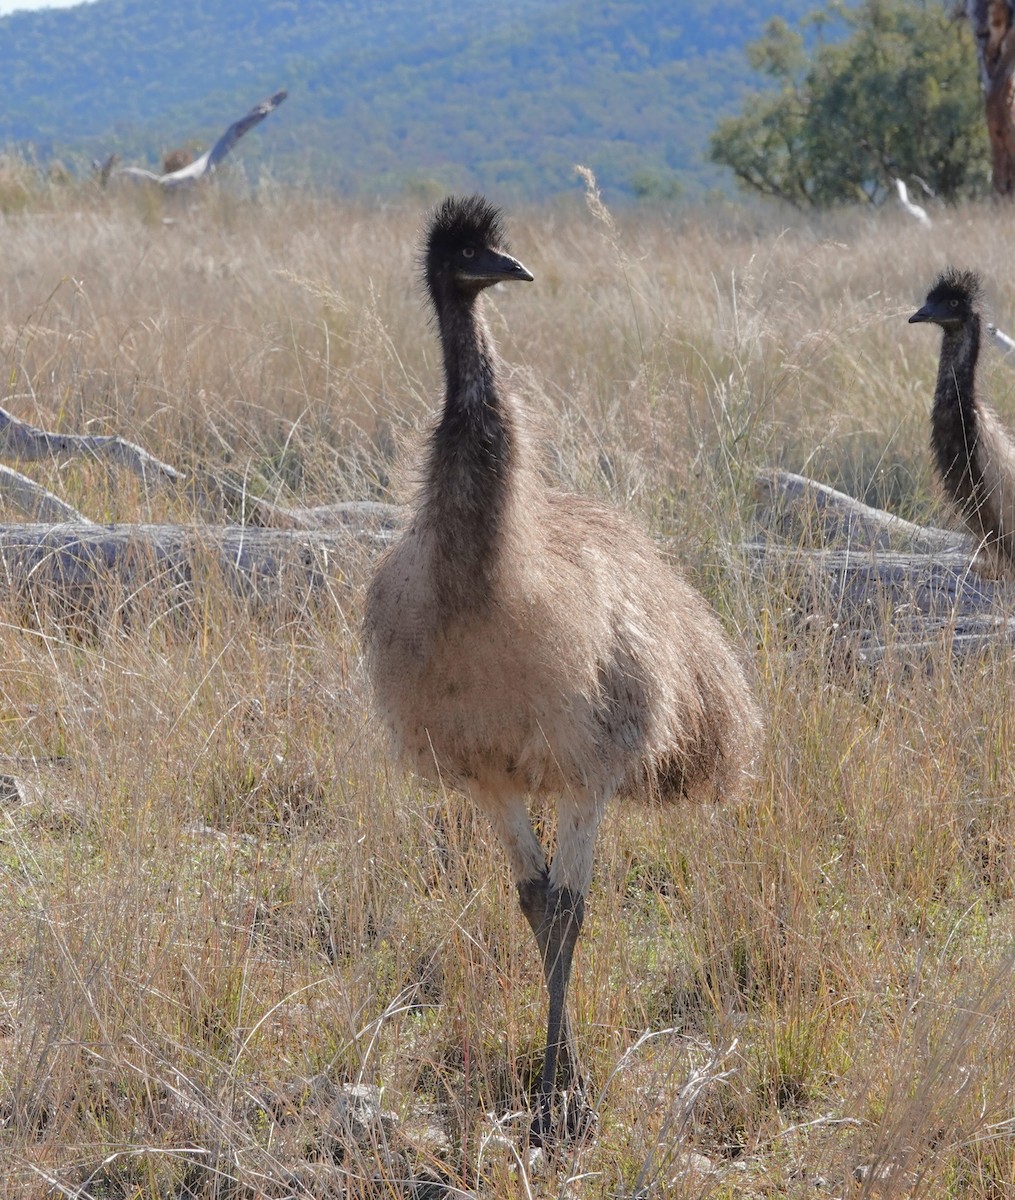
(384, 94)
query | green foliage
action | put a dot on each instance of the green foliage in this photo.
(898, 96)
(655, 187)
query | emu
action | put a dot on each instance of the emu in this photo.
(524, 641)
(974, 455)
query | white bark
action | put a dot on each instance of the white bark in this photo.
(870, 583)
(19, 439)
(34, 501)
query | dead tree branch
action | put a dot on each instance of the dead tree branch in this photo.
(212, 493)
(83, 571)
(872, 583)
(19, 439)
(34, 501)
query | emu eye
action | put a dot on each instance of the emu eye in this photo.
(953, 303)
(468, 252)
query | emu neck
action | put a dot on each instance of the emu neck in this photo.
(954, 433)
(472, 453)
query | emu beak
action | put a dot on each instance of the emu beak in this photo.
(490, 266)
(921, 314)
(517, 270)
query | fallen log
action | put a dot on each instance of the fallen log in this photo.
(19, 439)
(872, 582)
(214, 496)
(61, 564)
(74, 570)
(802, 511)
(35, 501)
(878, 584)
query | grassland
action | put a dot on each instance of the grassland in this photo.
(221, 903)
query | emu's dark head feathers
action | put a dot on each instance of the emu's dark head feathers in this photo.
(465, 247)
(954, 298)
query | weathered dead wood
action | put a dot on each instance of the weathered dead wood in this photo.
(873, 580)
(807, 513)
(867, 579)
(19, 439)
(89, 570)
(34, 501)
(65, 565)
(1004, 343)
(212, 495)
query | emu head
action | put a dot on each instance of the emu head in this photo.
(465, 249)
(954, 298)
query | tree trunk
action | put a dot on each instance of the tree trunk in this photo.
(869, 584)
(993, 23)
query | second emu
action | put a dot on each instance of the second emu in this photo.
(974, 455)
(527, 642)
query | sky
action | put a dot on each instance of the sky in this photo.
(9, 6)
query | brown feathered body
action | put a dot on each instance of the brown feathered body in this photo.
(569, 654)
(974, 454)
(526, 642)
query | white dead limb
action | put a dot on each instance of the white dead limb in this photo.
(102, 168)
(803, 512)
(871, 584)
(213, 494)
(206, 164)
(19, 439)
(34, 501)
(1003, 342)
(80, 570)
(914, 210)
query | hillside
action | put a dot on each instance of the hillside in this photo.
(390, 93)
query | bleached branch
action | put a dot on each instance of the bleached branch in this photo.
(34, 501)
(19, 439)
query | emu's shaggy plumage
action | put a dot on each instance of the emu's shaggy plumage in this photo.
(523, 641)
(975, 456)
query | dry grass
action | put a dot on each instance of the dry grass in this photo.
(221, 903)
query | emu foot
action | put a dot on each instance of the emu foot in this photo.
(576, 1117)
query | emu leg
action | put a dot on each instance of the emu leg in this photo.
(554, 912)
(555, 916)
(565, 912)
(532, 896)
